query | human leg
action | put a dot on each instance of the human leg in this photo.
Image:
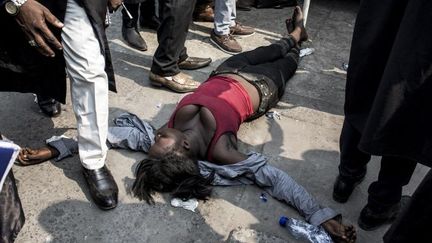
(89, 85)
(271, 53)
(89, 88)
(221, 34)
(236, 28)
(278, 71)
(352, 167)
(413, 224)
(165, 70)
(149, 14)
(172, 33)
(260, 55)
(130, 31)
(384, 201)
(223, 16)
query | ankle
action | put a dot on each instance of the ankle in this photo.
(296, 34)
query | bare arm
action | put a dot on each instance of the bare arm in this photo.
(226, 151)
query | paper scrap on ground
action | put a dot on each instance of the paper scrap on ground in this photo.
(273, 115)
(335, 70)
(345, 66)
(306, 51)
(263, 197)
(190, 204)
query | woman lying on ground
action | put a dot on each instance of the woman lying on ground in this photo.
(204, 127)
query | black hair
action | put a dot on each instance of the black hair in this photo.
(174, 173)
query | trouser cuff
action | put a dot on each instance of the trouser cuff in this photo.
(321, 216)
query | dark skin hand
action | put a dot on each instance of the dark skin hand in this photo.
(28, 156)
(340, 233)
(33, 18)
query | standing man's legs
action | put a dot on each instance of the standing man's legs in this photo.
(225, 27)
(165, 71)
(224, 18)
(384, 194)
(352, 167)
(130, 31)
(413, 224)
(89, 87)
(149, 14)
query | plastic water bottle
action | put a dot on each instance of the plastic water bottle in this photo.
(302, 230)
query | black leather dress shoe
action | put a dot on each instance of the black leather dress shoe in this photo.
(49, 106)
(343, 188)
(372, 219)
(102, 186)
(192, 63)
(134, 38)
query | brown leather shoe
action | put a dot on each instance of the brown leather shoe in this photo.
(241, 30)
(180, 82)
(226, 43)
(192, 63)
(203, 13)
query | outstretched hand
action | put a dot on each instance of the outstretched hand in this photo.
(33, 18)
(340, 233)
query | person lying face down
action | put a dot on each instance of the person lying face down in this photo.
(204, 127)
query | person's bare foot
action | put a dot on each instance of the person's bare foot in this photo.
(28, 156)
(339, 232)
(295, 26)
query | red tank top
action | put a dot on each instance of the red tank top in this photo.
(228, 102)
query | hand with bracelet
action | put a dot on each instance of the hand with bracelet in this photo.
(33, 17)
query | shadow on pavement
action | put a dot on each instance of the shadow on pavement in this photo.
(78, 221)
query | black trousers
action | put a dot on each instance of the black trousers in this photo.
(395, 172)
(413, 224)
(268, 68)
(146, 11)
(176, 16)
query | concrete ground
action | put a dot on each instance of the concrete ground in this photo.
(304, 143)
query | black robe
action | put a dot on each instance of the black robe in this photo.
(23, 69)
(389, 82)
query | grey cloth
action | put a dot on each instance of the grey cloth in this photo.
(256, 170)
(66, 146)
(131, 132)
